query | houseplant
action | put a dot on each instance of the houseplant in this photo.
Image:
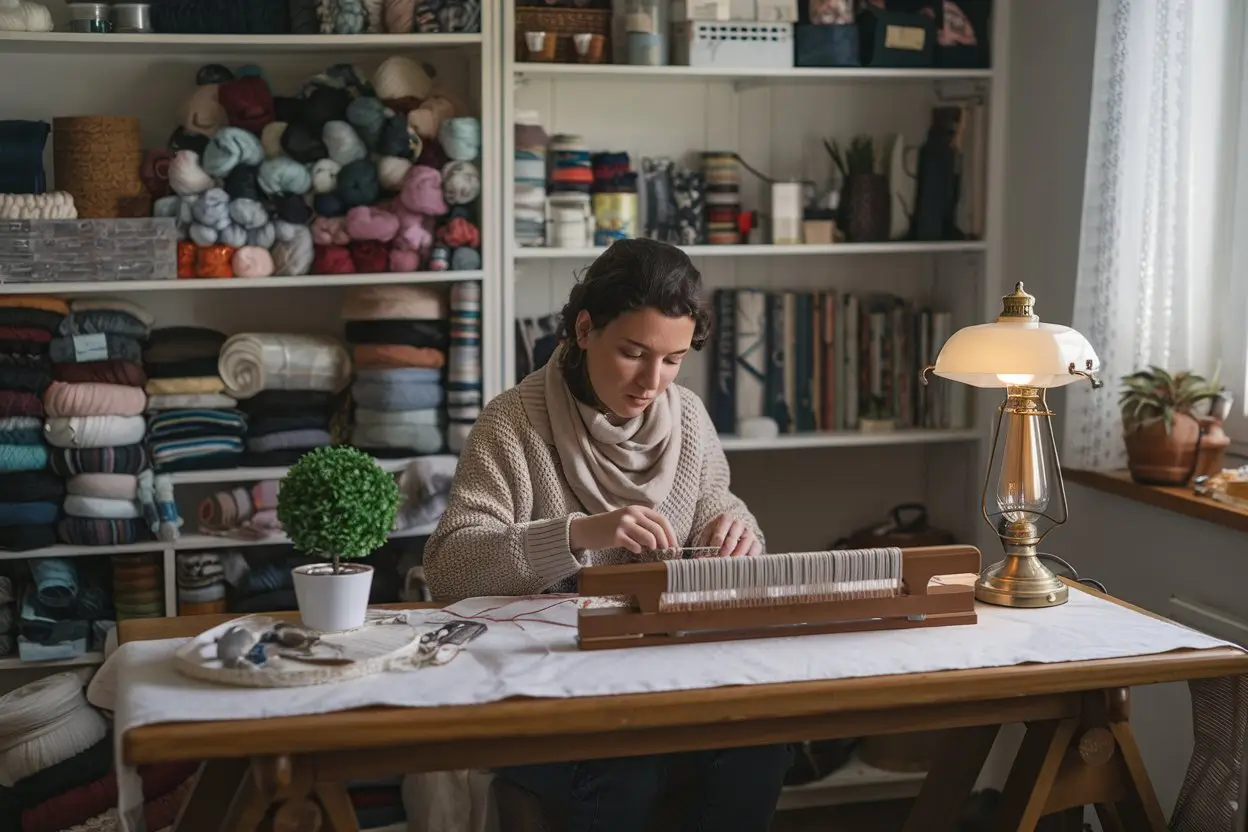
(336, 503)
(1165, 420)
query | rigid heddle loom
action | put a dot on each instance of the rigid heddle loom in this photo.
(800, 593)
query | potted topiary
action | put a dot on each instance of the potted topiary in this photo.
(1164, 425)
(338, 504)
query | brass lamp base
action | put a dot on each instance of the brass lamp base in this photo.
(1020, 580)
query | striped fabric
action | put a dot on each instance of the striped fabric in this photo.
(125, 459)
(196, 422)
(184, 454)
(95, 531)
(463, 369)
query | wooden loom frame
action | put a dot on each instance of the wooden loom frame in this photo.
(921, 604)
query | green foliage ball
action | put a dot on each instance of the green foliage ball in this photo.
(337, 502)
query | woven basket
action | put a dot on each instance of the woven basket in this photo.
(563, 24)
(98, 160)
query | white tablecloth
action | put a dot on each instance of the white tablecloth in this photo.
(529, 650)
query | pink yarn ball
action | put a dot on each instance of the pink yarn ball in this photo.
(413, 235)
(368, 223)
(252, 261)
(404, 261)
(422, 192)
(330, 231)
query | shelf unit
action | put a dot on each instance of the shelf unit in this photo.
(149, 76)
(776, 120)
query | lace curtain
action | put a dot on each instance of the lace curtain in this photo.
(1132, 289)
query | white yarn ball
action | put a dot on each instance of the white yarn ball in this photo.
(400, 77)
(57, 205)
(44, 723)
(186, 177)
(325, 176)
(24, 16)
(391, 170)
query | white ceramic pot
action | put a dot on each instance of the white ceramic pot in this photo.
(332, 603)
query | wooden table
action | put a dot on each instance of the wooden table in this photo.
(1078, 750)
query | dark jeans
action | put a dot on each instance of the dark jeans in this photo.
(736, 789)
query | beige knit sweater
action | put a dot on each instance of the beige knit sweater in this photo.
(505, 528)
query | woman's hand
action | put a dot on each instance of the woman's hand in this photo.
(734, 538)
(635, 528)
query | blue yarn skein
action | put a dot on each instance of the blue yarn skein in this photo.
(358, 183)
(368, 116)
(283, 175)
(464, 259)
(231, 146)
(330, 205)
(461, 138)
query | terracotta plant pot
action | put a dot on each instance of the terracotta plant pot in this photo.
(1155, 458)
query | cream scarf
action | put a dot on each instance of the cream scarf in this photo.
(612, 466)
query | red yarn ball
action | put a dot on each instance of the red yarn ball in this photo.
(459, 232)
(332, 260)
(370, 256)
(247, 102)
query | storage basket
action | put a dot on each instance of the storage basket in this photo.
(562, 24)
(97, 159)
(737, 44)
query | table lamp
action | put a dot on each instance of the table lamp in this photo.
(1026, 357)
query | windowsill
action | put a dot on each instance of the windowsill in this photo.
(1179, 500)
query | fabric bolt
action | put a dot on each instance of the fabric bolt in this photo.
(396, 418)
(269, 403)
(25, 379)
(23, 433)
(376, 356)
(433, 334)
(103, 372)
(46, 303)
(45, 722)
(93, 399)
(196, 453)
(29, 513)
(106, 486)
(394, 302)
(27, 317)
(251, 363)
(400, 395)
(129, 459)
(104, 508)
(96, 531)
(194, 423)
(185, 386)
(288, 440)
(56, 581)
(23, 458)
(191, 401)
(226, 509)
(102, 346)
(278, 424)
(23, 486)
(463, 371)
(112, 305)
(182, 343)
(18, 403)
(94, 431)
(114, 321)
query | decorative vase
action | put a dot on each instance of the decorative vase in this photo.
(1213, 445)
(1157, 458)
(867, 207)
(331, 601)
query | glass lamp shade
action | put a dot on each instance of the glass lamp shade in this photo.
(1019, 350)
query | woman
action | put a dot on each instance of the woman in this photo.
(595, 459)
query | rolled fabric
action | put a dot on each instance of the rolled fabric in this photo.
(225, 510)
(106, 486)
(92, 399)
(21, 430)
(96, 531)
(196, 453)
(69, 462)
(115, 321)
(30, 379)
(94, 431)
(434, 334)
(253, 362)
(103, 508)
(44, 723)
(56, 581)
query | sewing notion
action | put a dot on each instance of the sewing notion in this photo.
(718, 599)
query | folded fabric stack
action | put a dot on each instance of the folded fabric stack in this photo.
(8, 617)
(192, 423)
(463, 367)
(247, 513)
(29, 500)
(286, 384)
(399, 338)
(201, 584)
(61, 605)
(60, 774)
(95, 420)
(138, 586)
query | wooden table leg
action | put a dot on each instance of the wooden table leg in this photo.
(945, 790)
(211, 795)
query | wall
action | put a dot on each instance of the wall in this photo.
(1144, 555)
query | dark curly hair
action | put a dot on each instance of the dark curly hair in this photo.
(631, 275)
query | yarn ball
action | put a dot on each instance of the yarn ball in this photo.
(252, 261)
(251, 71)
(374, 23)
(397, 139)
(461, 182)
(203, 235)
(459, 232)
(427, 120)
(212, 209)
(166, 206)
(213, 74)
(203, 113)
(247, 102)
(398, 16)
(303, 143)
(186, 177)
(357, 183)
(342, 76)
(214, 261)
(248, 213)
(369, 223)
(325, 104)
(369, 256)
(293, 251)
(368, 116)
(284, 175)
(288, 108)
(422, 192)
(330, 231)
(292, 208)
(465, 260)
(414, 233)
(400, 77)
(349, 18)
(391, 170)
(344, 144)
(332, 260)
(439, 259)
(271, 138)
(325, 176)
(155, 172)
(329, 205)
(232, 235)
(264, 236)
(182, 139)
(404, 261)
(186, 214)
(231, 146)
(461, 138)
(432, 155)
(243, 182)
(186, 259)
